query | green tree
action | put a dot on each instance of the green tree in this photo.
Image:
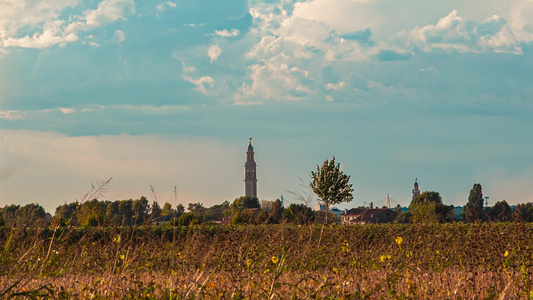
(125, 209)
(473, 210)
(198, 210)
(196, 207)
(92, 213)
(66, 215)
(167, 209)
(428, 208)
(500, 212)
(187, 219)
(243, 217)
(9, 215)
(155, 210)
(245, 202)
(112, 213)
(403, 217)
(523, 212)
(180, 209)
(330, 184)
(276, 210)
(140, 210)
(217, 212)
(298, 213)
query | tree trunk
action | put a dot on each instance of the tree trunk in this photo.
(327, 212)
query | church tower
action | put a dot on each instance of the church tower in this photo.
(416, 189)
(250, 179)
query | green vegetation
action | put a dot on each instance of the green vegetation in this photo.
(428, 208)
(251, 249)
(473, 210)
(395, 261)
(330, 184)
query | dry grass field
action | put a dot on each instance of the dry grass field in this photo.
(413, 261)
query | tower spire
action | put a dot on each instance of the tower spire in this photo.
(250, 177)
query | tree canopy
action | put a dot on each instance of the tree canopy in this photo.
(500, 212)
(245, 202)
(428, 207)
(473, 210)
(330, 184)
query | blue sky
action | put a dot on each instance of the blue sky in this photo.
(167, 93)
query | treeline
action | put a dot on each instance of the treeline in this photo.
(428, 207)
(243, 210)
(31, 215)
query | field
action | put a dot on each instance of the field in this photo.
(396, 261)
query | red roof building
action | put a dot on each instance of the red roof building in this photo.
(368, 215)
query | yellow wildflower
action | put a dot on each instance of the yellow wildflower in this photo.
(506, 253)
(275, 259)
(399, 240)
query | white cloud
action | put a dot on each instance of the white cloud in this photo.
(150, 109)
(336, 86)
(46, 27)
(453, 32)
(226, 33)
(328, 32)
(67, 110)
(201, 83)
(214, 52)
(188, 69)
(165, 6)
(46, 39)
(119, 36)
(268, 46)
(12, 115)
(16, 115)
(40, 18)
(108, 11)
(342, 16)
(329, 98)
(194, 25)
(275, 80)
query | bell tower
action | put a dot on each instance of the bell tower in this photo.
(250, 178)
(416, 189)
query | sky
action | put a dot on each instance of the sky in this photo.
(167, 93)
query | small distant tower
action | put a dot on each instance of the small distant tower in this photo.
(416, 189)
(387, 201)
(250, 178)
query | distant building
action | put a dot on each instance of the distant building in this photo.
(320, 207)
(368, 215)
(250, 177)
(332, 210)
(161, 220)
(416, 189)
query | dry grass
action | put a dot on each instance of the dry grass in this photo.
(450, 261)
